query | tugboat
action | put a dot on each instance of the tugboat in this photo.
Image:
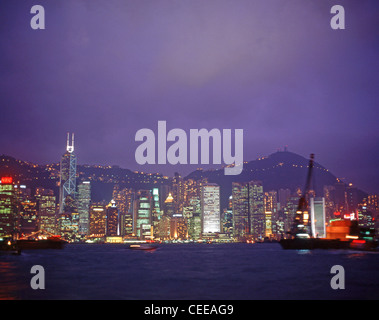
(301, 234)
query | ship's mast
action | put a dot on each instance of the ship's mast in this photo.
(302, 223)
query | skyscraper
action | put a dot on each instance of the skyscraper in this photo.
(142, 215)
(8, 207)
(210, 208)
(46, 210)
(283, 195)
(67, 173)
(97, 220)
(317, 207)
(240, 209)
(112, 220)
(84, 200)
(248, 209)
(257, 210)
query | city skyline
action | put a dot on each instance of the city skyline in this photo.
(276, 70)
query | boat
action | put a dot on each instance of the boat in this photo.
(143, 247)
(41, 240)
(49, 243)
(313, 243)
(354, 238)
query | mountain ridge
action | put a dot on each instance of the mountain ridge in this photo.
(280, 170)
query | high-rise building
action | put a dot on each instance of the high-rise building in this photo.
(124, 200)
(156, 213)
(46, 210)
(178, 193)
(257, 210)
(351, 196)
(227, 218)
(330, 206)
(290, 212)
(84, 200)
(97, 220)
(268, 224)
(67, 174)
(162, 230)
(169, 206)
(248, 210)
(241, 209)
(317, 208)
(194, 226)
(142, 214)
(112, 220)
(210, 208)
(8, 207)
(178, 227)
(366, 218)
(271, 205)
(283, 195)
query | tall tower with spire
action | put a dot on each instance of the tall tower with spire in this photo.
(67, 173)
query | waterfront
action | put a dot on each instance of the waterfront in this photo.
(189, 271)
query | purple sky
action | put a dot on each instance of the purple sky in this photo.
(105, 69)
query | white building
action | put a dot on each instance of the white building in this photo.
(210, 208)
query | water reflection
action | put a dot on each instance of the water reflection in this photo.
(9, 283)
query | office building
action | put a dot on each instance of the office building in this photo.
(317, 208)
(46, 210)
(112, 220)
(84, 201)
(8, 208)
(210, 208)
(97, 220)
(67, 186)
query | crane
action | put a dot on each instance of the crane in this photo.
(302, 222)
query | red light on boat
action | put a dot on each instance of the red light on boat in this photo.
(359, 241)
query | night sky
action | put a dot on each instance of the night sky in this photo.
(105, 69)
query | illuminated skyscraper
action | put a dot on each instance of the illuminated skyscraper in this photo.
(142, 214)
(178, 187)
(317, 207)
(113, 221)
(283, 196)
(169, 206)
(257, 210)
(67, 174)
(46, 210)
(8, 207)
(194, 226)
(84, 200)
(97, 220)
(156, 213)
(210, 208)
(240, 209)
(248, 209)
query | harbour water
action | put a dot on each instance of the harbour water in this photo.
(189, 272)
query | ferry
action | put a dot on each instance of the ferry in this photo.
(144, 247)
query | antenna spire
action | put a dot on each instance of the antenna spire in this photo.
(70, 148)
